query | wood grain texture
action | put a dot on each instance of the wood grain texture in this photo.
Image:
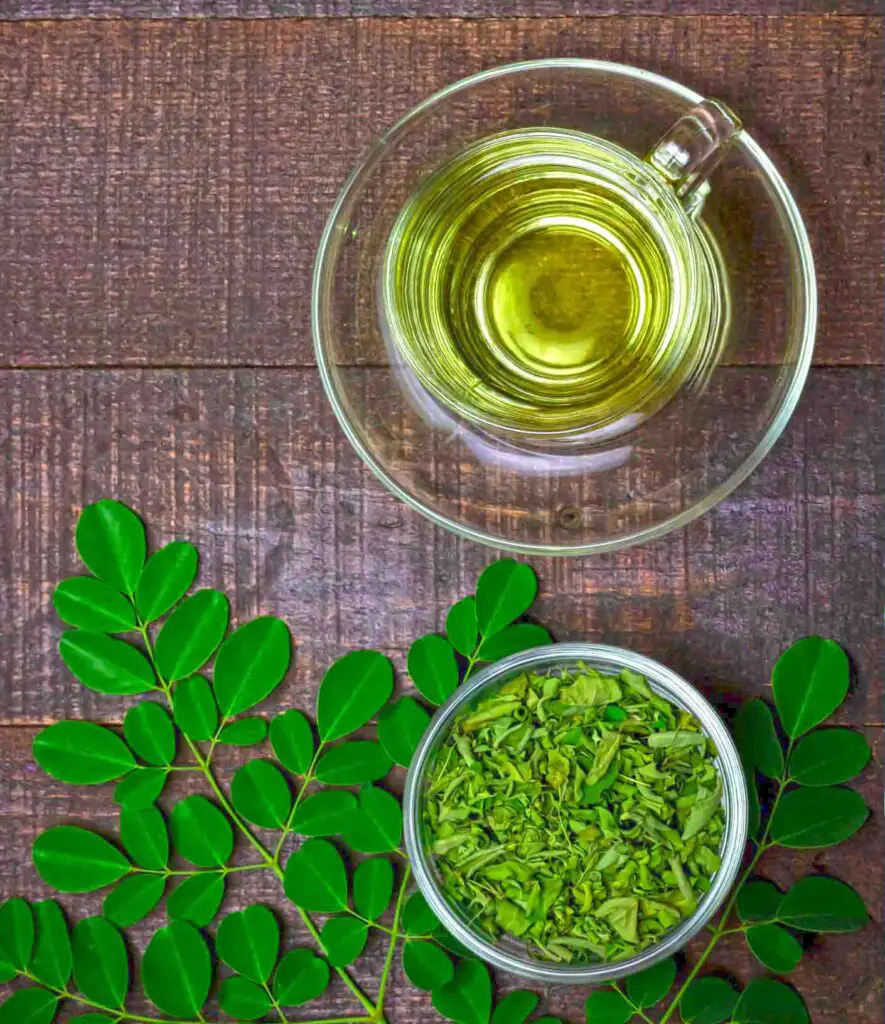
(164, 184)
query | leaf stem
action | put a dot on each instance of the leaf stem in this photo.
(308, 778)
(391, 946)
(369, 921)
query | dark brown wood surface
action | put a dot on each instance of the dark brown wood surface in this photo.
(162, 190)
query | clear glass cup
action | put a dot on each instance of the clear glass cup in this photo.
(628, 486)
(509, 956)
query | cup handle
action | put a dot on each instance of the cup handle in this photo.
(688, 154)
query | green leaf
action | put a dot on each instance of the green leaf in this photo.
(757, 739)
(301, 977)
(101, 962)
(245, 732)
(467, 997)
(87, 603)
(261, 794)
(106, 665)
(810, 681)
(522, 636)
(145, 838)
(251, 664)
(315, 878)
(326, 813)
(149, 731)
(140, 788)
(461, 626)
(197, 898)
(758, 901)
(248, 941)
(754, 808)
(373, 887)
(177, 970)
(821, 904)
(29, 1006)
(417, 918)
(351, 764)
(191, 634)
(194, 709)
(53, 959)
(812, 818)
(133, 899)
(82, 753)
(504, 591)
(244, 999)
(110, 540)
(607, 1006)
(426, 965)
(343, 939)
(433, 668)
(292, 740)
(516, 1007)
(201, 833)
(648, 987)
(765, 1001)
(16, 933)
(92, 1018)
(828, 757)
(72, 859)
(377, 827)
(708, 1001)
(167, 576)
(774, 947)
(353, 690)
(400, 728)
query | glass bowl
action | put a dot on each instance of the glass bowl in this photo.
(615, 491)
(664, 682)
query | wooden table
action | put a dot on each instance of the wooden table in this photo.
(163, 185)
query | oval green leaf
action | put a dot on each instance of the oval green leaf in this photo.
(72, 859)
(821, 904)
(292, 740)
(261, 794)
(29, 1006)
(516, 1007)
(53, 959)
(149, 731)
(201, 833)
(417, 917)
(248, 941)
(426, 965)
(433, 668)
(82, 753)
(245, 732)
(191, 634)
(167, 576)
(315, 878)
(648, 987)
(140, 788)
(133, 899)
(774, 947)
(828, 757)
(377, 827)
(88, 603)
(16, 933)
(194, 709)
(467, 997)
(177, 970)
(301, 977)
(765, 1001)
(106, 665)
(343, 939)
(504, 591)
(373, 887)
(808, 819)
(462, 630)
(197, 898)
(754, 807)
(251, 664)
(101, 962)
(708, 1001)
(143, 834)
(353, 690)
(607, 1007)
(400, 728)
(810, 681)
(110, 540)
(326, 813)
(522, 636)
(243, 999)
(757, 739)
(758, 901)
(354, 763)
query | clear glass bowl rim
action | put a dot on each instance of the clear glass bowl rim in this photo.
(800, 244)
(665, 682)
